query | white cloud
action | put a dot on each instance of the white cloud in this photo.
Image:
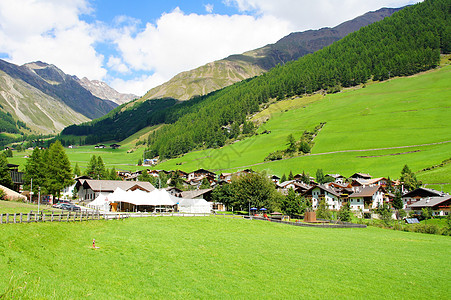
(139, 85)
(116, 64)
(50, 31)
(209, 8)
(179, 41)
(307, 14)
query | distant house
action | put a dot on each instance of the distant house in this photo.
(200, 174)
(382, 181)
(318, 192)
(114, 146)
(368, 198)
(206, 195)
(337, 177)
(225, 178)
(99, 146)
(89, 189)
(419, 194)
(440, 206)
(360, 176)
(275, 179)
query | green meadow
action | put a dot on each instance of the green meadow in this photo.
(217, 257)
(402, 112)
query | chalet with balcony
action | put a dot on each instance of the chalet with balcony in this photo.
(368, 198)
(419, 194)
(440, 206)
(319, 192)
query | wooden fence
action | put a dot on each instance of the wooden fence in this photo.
(52, 216)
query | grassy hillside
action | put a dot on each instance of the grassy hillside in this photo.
(216, 257)
(397, 113)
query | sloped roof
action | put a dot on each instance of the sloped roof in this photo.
(323, 188)
(430, 202)
(195, 193)
(367, 191)
(111, 185)
(429, 192)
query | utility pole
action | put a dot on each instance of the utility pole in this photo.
(39, 198)
(31, 191)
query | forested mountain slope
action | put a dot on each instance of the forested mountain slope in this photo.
(219, 74)
(408, 42)
(132, 117)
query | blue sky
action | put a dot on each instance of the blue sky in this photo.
(135, 45)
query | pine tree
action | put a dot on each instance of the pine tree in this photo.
(35, 169)
(284, 178)
(344, 214)
(290, 176)
(320, 176)
(113, 174)
(58, 169)
(144, 176)
(409, 179)
(305, 178)
(100, 168)
(77, 171)
(291, 144)
(91, 168)
(323, 211)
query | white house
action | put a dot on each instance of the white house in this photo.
(316, 193)
(367, 198)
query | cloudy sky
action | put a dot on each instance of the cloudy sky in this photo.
(135, 45)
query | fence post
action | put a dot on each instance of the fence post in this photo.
(1, 218)
(14, 218)
(7, 218)
(51, 217)
(20, 217)
(68, 216)
(28, 217)
(43, 217)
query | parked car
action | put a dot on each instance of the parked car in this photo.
(58, 205)
(69, 206)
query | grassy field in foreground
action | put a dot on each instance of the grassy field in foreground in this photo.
(217, 257)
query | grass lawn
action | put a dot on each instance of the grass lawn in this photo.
(20, 207)
(217, 257)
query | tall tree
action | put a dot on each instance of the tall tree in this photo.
(77, 171)
(100, 168)
(5, 176)
(409, 179)
(257, 190)
(290, 176)
(283, 178)
(35, 169)
(320, 176)
(291, 144)
(291, 204)
(344, 214)
(323, 211)
(91, 168)
(59, 172)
